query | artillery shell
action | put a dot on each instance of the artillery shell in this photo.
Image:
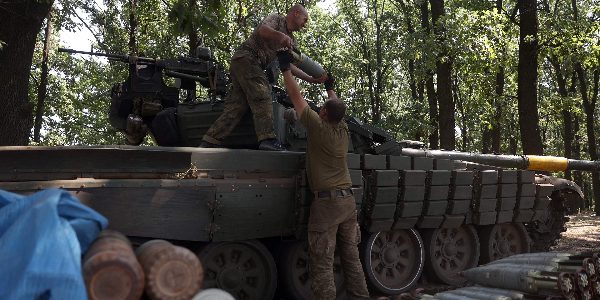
(521, 279)
(495, 291)
(478, 295)
(110, 269)
(171, 271)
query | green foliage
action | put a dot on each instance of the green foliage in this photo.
(186, 19)
(76, 107)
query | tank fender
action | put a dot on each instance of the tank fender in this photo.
(560, 184)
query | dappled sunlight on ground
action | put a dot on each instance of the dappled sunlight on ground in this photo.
(583, 234)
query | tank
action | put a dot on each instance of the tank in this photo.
(425, 215)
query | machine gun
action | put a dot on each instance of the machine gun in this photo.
(144, 103)
(186, 70)
(138, 101)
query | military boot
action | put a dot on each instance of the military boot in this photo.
(271, 144)
(206, 144)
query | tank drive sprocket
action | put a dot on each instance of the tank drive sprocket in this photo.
(546, 232)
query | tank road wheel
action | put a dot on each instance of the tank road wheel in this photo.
(295, 272)
(502, 240)
(245, 269)
(449, 251)
(393, 260)
(546, 232)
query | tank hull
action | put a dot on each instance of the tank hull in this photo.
(233, 198)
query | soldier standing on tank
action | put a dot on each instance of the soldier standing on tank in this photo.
(332, 219)
(250, 87)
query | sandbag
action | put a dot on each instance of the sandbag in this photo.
(42, 237)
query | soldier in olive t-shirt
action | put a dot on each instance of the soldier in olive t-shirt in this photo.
(326, 153)
(332, 221)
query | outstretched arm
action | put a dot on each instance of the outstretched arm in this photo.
(300, 74)
(269, 33)
(331, 94)
(293, 89)
(294, 92)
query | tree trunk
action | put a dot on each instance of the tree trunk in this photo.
(568, 138)
(431, 95)
(20, 22)
(577, 176)
(496, 125)
(527, 79)
(43, 80)
(411, 62)
(132, 29)
(379, 71)
(576, 148)
(461, 108)
(421, 95)
(486, 139)
(498, 102)
(444, 80)
(513, 145)
(193, 42)
(416, 89)
(590, 107)
(566, 113)
(433, 111)
(513, 140)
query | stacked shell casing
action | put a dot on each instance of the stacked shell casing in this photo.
(531, 276)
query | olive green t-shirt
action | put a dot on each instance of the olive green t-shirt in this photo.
(326, 153)
(266, 48)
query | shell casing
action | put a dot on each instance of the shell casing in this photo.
(514, 277)
(586, 295)
(545, 268)
(548, 261)
(508, 293)
(582, 282)
(478, 295)
(561, 263)
(307, 64)
(448, 296)
(544, 254)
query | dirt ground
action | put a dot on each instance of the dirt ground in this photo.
(583, 234)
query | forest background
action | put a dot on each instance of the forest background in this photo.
(501, 76)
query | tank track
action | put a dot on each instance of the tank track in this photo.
(546, 232)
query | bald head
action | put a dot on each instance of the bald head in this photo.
(297, 7)
(296, 18)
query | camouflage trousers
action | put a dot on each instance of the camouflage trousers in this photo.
(332, 222)
(249, 89)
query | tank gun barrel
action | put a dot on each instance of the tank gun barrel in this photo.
(523, 162)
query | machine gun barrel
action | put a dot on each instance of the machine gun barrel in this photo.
(202, 81)
(523, 162)
(117, 57)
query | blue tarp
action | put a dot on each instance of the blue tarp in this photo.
(42, 237)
